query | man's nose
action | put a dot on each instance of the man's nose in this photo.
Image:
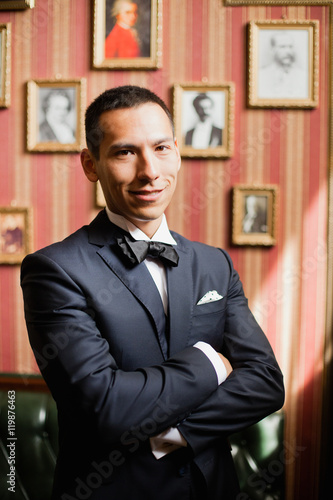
(147, 167)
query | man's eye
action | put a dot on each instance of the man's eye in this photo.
(162, 147)
(124, 152)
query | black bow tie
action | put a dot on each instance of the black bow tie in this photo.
(137, 251)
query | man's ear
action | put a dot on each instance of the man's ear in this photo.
(88, 164)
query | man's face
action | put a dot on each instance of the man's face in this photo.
(284, 50)
(58, 108)
(204, 108)
(138, 164)
(128, 13)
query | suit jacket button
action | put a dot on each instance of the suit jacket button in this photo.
(182, 471)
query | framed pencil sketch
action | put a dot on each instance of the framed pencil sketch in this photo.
(55, 115)
(127, 34)
(204, 119)
(99, 196)
(254, 215)
(17, 4)
(283, 64)
(15, 234)
(5, 61)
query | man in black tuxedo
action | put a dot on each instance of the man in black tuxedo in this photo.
(144, 338)
(204, 134)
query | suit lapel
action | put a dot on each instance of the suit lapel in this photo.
(137, 279)
(180, 295)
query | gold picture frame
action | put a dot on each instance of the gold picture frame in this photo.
(283, 63)
(119, 46)
(254, 214)
(204, 119)
(5, 63)
(55, 115)
(237, 3)
(17, 4)
(15, 234)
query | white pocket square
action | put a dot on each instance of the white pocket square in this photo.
(211, 296)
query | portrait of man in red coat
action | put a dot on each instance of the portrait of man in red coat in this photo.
(123, 40)
(128, 29)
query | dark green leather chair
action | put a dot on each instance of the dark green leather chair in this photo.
(257, 451)
(35, 446)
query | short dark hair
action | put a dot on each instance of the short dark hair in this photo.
(126, 96)
(201, 97)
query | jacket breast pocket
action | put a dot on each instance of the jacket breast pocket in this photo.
(208, 323)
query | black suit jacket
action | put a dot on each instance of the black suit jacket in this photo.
(215, 137)
(46, 133)
(97, 328)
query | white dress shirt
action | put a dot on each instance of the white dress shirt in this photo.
(202, 134)
(171, 439)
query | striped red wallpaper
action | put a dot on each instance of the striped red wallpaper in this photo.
(203, 41)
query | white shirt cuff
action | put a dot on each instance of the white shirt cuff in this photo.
(166, 442)
(221, 371)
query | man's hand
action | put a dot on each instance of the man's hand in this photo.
(226, 363)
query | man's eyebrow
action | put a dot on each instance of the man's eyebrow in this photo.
(126, 145)
(163, 139)
(121, 145)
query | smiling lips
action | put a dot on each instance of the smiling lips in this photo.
(147, 194)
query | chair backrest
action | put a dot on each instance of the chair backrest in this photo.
(29, 445)
(258, 453)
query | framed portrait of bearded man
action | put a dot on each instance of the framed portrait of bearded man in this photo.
(283, 64)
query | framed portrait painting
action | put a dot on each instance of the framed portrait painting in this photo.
(55, 115)
(16, 4)
(204, 119)
(127, 34)
(283, 64)
(5, 61)
(254, 215)
(15, 234)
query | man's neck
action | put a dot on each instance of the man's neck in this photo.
(160, 232)
(123, 25)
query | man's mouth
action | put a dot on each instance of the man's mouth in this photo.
(147, 194)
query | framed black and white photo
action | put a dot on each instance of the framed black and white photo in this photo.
(5, 63)
(55, 115)
(15, 234)
(17, 4)
(127, 34)
(283, 64)
(204, 119)
(254, 215)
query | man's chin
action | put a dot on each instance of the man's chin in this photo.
(145, 218)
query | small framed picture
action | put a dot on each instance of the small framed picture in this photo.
(204, 119)
(17, 4)
(15, 234)
(5, 60)
(127, 34)
(283, 67)
(254, 215)
(55, 115)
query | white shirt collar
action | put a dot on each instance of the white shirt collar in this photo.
(208, 123)
(123, 25)
(162, 234)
